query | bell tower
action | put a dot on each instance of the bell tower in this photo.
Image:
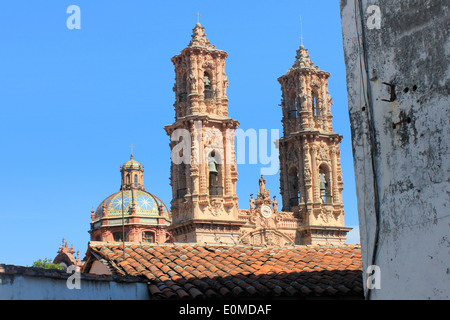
(310, 171)
(204, 204)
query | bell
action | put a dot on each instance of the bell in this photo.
(322, 185)
(212, 167)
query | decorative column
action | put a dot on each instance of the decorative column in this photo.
(315, 175)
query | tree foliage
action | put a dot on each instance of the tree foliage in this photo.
(46, 264)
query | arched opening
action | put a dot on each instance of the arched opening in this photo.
(294, 196)
(208, 92)
(128, 179)
(292, 105)
(315, 107)
(325, 184)
(136, 181)
(181, 177)
(182, 88)
(214, 171)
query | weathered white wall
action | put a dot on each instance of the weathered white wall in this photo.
(22, 287)
(402, 171)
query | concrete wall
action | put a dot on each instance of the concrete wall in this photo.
(21, 283)
(401, 141)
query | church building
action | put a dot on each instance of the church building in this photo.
(204, 204)
(206, 245)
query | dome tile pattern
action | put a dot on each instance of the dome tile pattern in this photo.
(146, 204)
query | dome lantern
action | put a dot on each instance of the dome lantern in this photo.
(132, 175)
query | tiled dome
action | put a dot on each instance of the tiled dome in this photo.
(145, 204)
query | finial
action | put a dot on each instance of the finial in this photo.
(301, 32)
(131, 158)
(198, 18)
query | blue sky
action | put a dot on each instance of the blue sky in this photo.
(73, 101)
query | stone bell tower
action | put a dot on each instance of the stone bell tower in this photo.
(203, 169)
(310, 170)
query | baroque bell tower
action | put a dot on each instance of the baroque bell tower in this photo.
(204, 204)
(310, 170)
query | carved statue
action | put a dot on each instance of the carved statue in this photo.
(275, 204)
(262, 185)
(252, 202)
(307, 174)
(193, 80)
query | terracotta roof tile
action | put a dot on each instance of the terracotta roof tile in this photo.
(185, 271)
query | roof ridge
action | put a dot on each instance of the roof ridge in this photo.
(194, 244)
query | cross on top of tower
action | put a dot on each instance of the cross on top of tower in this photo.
(198, 17)
(301, 32)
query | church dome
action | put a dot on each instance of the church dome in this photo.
(145, 204)
(132, 213)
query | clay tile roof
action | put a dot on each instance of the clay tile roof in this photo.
(184, 271)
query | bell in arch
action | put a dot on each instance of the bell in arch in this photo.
(212, 166)
(323, 183)
(212, 163)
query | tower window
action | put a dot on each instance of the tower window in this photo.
(182, 88)
(294, 196)
(182, 189)
(314, 105)
(135, 180)
(207, 80)
(208, 92)
(148, 237)
(214, 170)
(118, 236)
(325, 185)
(293, 106)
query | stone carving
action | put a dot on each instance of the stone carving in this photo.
(265, 237)
(252, 202)
(215, 207)
(262, 185)
(275, 204)
(193, 81)
(323, 154)
(307, 175)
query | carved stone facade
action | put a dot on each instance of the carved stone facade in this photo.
(264, 224)
(204, 204)
(203, 172)
(310, 170)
